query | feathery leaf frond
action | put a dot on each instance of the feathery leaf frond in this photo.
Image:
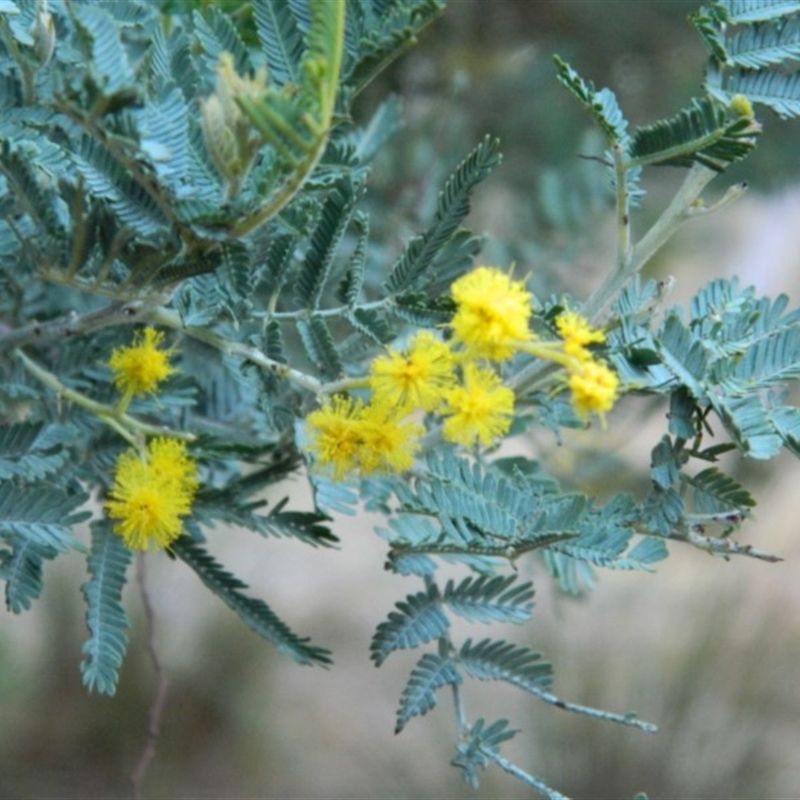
(485, 599)
(496, 660)
(701, 133)
(105, 615)
(602, 104)
(410, 271)
(419, 695)
(418, 620)
(256, 614)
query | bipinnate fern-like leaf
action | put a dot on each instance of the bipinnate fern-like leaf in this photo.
(753, 45)
(419, 619)
(278, 261)
(747, 11)
(315, 269)
(40, 513)
(281, 40)
(320, 345)
(255, 613)
(105, 615)
(372, 324)
(768, 362)
(749, 425)
(31, 451)
(766, 44)
(419, 695)
(106, 178)
(497, 660)
(481, 741)
(110, 63)
(683, 355)
(702, 133)
(490, 599)
(349, 290)
(307, 526)
(709, 21)
(383, 31)
(33, 196)
(231, 505)
(216, 35)
(410, 270)
(786, 420)
(602, 104)
(21, 569)
(777, 90)
(715, 492)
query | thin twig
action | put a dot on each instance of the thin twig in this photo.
(156, 711)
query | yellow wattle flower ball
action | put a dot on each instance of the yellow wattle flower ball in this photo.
(152, 493)
(481, 409)
(415, 379)
(594, 389)
(492, 313)
(349, 437)
(141, 367)
(574, 329)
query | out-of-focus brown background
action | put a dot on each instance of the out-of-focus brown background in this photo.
(706, 649)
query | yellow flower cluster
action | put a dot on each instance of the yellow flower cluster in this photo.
(492, 321)
(141, 367)
(455, 381)
(151, 493)
(153, 489)
(349, 436)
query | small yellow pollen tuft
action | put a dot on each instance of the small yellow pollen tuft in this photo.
(594, 389)
(140, 368)
(575, 331)
(480, 409)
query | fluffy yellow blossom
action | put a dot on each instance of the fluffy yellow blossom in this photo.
(575, 331)
(492, 313)
(335, 436)
(480, 409)
(140, 368)
(415, 379)
(350, 437)
(594, 388)
(389, 441)
(152, 494)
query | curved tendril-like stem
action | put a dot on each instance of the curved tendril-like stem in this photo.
(126, 426)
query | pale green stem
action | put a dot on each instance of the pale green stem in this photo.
(338, 311)
(125, 425)
(630, 260)
(623, 207)
(520, 774)
(677, 212)
(172, 319)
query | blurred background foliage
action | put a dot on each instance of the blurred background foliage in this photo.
(707, 650)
